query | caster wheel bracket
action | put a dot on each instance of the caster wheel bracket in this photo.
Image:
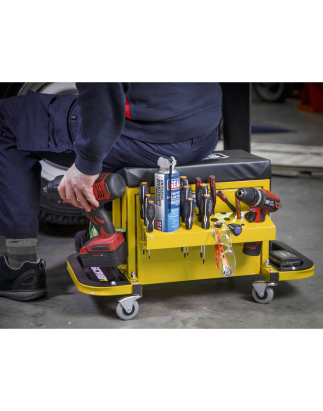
(260, 286)
(127, 302)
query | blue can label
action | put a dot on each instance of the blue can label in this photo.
(167, 220)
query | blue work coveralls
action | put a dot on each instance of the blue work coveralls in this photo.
(44, 126)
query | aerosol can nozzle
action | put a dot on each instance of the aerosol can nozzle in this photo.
(166, 162)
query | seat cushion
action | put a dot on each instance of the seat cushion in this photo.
(226, 165)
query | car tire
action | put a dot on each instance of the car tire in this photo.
(49, 210)
(273, 92)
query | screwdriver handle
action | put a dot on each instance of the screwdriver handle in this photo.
(201, 190)
(186, 192)
(206, 207)
(212, 191)
(144, 189)
(148, 197)
(150, 216)
(189, 213)
(183, 181)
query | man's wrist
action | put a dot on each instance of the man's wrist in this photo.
(88, 166)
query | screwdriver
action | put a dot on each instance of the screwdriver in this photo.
(212, 192)
(150, 214)
(206, 211)
(198, 182)
(144, 189)
(201, 190)
(186, 192)
(183, 181)
(189, 213)
(148, 197)
(226, 201)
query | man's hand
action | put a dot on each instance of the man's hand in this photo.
(77, 188)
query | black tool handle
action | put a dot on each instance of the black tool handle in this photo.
(201, 191)
(189, 213)
(144, 188)
(183, 181)
(148, 197)
(150, 216)
(226, 201)
(212, 191)
(186, 192)
(206, 207)
(101, 220)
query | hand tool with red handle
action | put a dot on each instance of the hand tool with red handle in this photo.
(201, 190)
(212, 192)
(109, 248)
(260, 202)
(226, 201)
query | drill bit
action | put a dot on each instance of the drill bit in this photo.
(149, 254)
(184, 252)
(187, 251)
(143, 239)
(203, 254)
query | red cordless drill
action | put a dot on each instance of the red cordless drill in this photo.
(260, 202)
(109, 248)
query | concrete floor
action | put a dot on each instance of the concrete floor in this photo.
(220, 303)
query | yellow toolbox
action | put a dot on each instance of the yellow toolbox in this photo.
(158, 257)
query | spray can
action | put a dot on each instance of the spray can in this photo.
(167, 195)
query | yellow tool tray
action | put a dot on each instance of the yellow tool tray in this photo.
(198, 236)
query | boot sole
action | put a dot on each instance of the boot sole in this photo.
(23, 295)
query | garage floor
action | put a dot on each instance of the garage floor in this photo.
(221, 303)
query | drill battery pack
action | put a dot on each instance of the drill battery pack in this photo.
(285, 260)
(104, 252)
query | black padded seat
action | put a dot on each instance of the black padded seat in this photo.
(226, 165)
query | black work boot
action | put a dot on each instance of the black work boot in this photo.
(24, 283)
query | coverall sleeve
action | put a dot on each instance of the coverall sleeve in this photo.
(101, 121)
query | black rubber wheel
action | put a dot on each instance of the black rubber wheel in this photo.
(273, 92)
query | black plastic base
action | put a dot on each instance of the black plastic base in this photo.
(93, 276)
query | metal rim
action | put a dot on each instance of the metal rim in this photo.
(49, 88)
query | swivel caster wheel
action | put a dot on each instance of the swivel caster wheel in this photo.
(266, 298)
(128, 307)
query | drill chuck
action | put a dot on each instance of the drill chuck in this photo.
(249, 196)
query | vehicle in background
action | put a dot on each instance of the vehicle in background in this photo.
(277, 92)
